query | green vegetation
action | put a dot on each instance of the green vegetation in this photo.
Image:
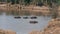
(8, 1)
(26, 2)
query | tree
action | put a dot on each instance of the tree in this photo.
(54, 4)
(13, 1)
(2, 0)
(27, 2)
(17, 1)
(8, 1)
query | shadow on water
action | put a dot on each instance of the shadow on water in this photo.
(18, 13)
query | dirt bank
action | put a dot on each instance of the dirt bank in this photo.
(7, 31)
(35, 10)
(32, 9)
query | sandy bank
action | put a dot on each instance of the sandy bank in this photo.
(7, 31)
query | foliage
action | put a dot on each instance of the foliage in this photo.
(27, 2)
(15, 1)
(8, 1)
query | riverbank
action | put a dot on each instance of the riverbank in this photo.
(31, 9)
(7, 31)
(34, 10)
(53, 27)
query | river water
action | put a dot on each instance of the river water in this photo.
(22, 26)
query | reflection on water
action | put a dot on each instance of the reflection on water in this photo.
(23, 13)
(22, 26)
(18, 13)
